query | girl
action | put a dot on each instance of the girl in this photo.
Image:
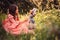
(12, 23)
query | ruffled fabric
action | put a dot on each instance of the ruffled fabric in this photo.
(15, 27)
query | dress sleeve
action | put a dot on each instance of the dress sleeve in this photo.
(13, 23)
(10, 23)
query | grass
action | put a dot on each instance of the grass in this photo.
(46, 24)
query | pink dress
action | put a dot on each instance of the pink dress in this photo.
(15, 27)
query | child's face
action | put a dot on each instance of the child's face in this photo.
(17, 10)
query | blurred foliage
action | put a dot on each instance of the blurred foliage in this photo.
(26, 5)
(48, 24)
(47, 27)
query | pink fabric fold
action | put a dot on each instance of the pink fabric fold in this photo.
(15, 27)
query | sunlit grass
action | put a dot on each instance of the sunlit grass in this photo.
(45, 23)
